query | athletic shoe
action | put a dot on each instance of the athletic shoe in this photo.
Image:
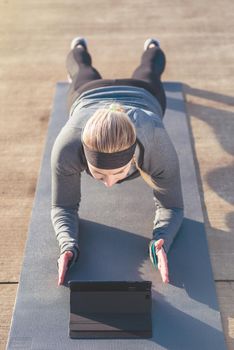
(76, 41)
(151, 41)
(79, 41)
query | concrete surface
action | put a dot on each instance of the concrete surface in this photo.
(198, 38)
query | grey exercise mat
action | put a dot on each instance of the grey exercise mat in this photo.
(116, 227)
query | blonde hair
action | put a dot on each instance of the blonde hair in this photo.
(109, 130)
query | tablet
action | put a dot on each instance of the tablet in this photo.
(110, 309)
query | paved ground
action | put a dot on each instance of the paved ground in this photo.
(198, 38)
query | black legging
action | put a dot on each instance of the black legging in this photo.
(147, 75)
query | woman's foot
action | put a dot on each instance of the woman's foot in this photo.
(158, 258)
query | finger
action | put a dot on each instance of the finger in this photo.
(165, 272)
(163, 266)
(62, 270)
(164, 275)
(63, 265)
(61, 276)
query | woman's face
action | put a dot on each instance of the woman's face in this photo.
(109, 177)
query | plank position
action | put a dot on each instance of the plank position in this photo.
(115, 133)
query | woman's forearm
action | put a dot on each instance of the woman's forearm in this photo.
(166, 225)
(66, 225)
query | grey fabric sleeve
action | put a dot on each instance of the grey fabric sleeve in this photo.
(165, 173)
(66, 193)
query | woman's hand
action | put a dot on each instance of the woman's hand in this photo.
(63, 265)
(162, 260)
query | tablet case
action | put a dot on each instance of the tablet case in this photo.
(115, 309)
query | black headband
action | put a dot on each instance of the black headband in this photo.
(114, 160)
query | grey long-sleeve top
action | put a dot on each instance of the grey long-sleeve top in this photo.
(155, 155)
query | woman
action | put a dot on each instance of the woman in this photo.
(115, 133)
